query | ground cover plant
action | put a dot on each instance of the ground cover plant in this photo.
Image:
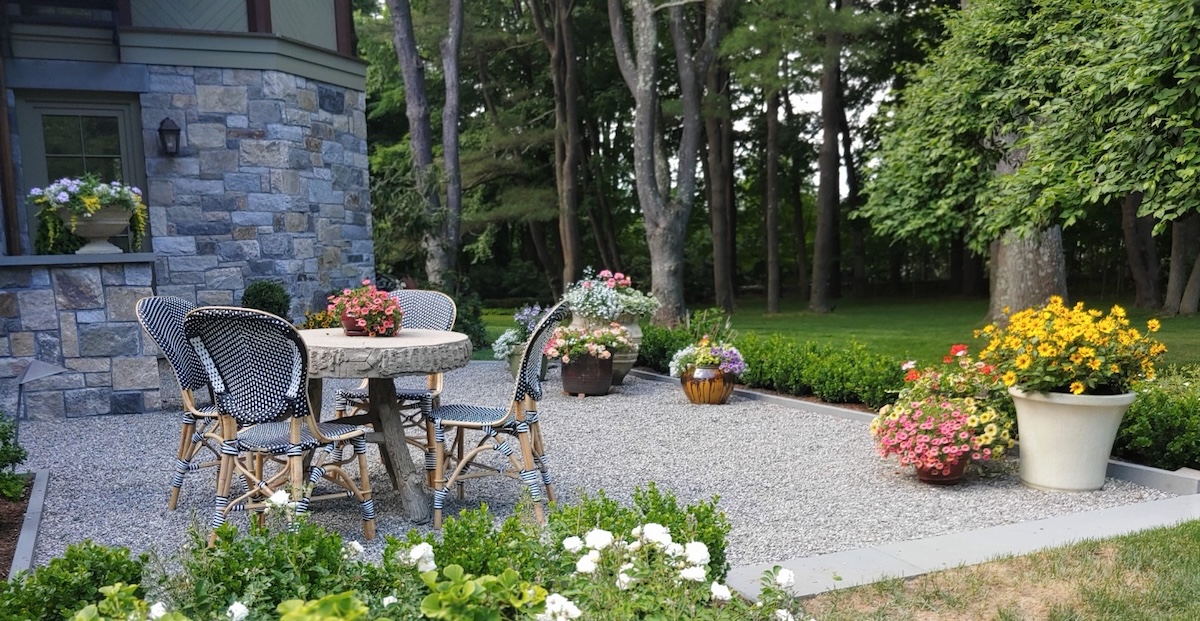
(1150, 575)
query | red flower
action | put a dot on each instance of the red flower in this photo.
(912, 375)
(958, 350)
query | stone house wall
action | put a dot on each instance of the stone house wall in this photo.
(79, 316)
(271, 183)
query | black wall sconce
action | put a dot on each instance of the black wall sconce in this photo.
(168, 137)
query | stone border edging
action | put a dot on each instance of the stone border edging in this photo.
(27, 542)
(1181, 482)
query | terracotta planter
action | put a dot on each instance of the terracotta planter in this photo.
(951, 474)
(707, 385)
(586, 375)
(514, 363)
(1066, 439)
(97, 228)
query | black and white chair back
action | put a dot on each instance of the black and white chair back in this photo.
(256, 362)
(529, 383)
(162, 318)
(425, 310)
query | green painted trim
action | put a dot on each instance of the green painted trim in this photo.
(62, 43)
(242, 51)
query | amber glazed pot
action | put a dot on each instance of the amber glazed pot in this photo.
(950, 474)
(707, 385)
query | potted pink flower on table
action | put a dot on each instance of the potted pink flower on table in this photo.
(366, 311)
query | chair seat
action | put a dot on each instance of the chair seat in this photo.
(472, 415)
(348, 395)
(273, 438)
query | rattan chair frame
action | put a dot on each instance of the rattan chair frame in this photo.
(241, 456)
(520, 421)
(161, 317)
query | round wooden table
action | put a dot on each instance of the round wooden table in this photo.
(380, 359)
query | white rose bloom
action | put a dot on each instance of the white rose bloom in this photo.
(598, 539)
(237, 611)
(783, 615)
(420, 551)
(623, 581)
(389, 600)
(572, 544)
(585, 565)
(425, 564)
(697, 553)
(785, 577)
(636, 532)
(157, 611)
(720, 592)
(656, 533)
(634, 547)
(280, 498)
(695, 574)
(353, 548)
(559, 608)
(674, 550)
(594, 555)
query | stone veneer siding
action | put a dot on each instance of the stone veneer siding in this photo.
(81, 317)
(271, 183)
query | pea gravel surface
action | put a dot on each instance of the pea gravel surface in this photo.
(793, 483)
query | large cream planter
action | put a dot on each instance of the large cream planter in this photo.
(1066, 439)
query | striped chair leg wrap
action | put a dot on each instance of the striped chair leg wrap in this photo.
(360, 445)
(439, 432)
(431, 459)
(197, 437)
(530, 477)
(340, 402)
(531, 416)
(242, 482)
(302, 506)
(523, 427)
(439, 497)
(295, 450)
(544, 467)
(488, 431)
(315, 475)
(230, 447)
(368, 509)
(218, 517)
(504, 447)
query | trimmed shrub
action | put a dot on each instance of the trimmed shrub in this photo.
(268, 295)
(70, 582)
(12, 485)
(1162, 428)
(659, 344)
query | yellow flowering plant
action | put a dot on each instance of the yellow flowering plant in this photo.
(82, 198)
(1056, 348)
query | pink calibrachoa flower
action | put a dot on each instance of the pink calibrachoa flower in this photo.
(371, 308)
(599, 343)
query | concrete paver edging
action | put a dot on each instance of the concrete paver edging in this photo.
(27, 541)
(907, 559)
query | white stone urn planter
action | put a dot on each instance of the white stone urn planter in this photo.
(98, 227)
(1065, 440)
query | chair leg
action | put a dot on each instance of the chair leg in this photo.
(224, 480)
(364, 488)
(183, 458)
(539, 451)
(529, 471)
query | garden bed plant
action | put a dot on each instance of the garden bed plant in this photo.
(595, 559)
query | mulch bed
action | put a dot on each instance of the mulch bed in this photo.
(12, 516)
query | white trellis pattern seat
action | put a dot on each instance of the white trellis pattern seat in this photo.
(518, 420)
(162, 318)
(257, 365)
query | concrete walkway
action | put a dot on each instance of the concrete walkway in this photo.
(906, 559)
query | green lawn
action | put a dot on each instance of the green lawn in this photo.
(1149, 576)
(920, 329)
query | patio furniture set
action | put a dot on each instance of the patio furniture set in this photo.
(263, 425)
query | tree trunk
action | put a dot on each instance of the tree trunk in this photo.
(828, 190)
(715, 166)
(798, 229)
(537, 234)
(449, 48)
(1184, 232)
(664, 218)
(858, 227)
(1190, 301)
(1141, 252)
(437, 262)
(1026, 271)
(772, 204)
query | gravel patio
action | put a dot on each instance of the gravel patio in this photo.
(793, 483)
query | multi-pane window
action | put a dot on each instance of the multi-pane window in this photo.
(77, 145)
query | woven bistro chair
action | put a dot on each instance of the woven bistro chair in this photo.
(519, 420)
(162, 318)
(423, 310)
(257, 365)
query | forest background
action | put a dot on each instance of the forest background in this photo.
(1012, 148)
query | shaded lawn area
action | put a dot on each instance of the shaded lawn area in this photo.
(1150, 575)
(921, 329)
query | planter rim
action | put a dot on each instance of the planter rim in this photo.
(1059, 397)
